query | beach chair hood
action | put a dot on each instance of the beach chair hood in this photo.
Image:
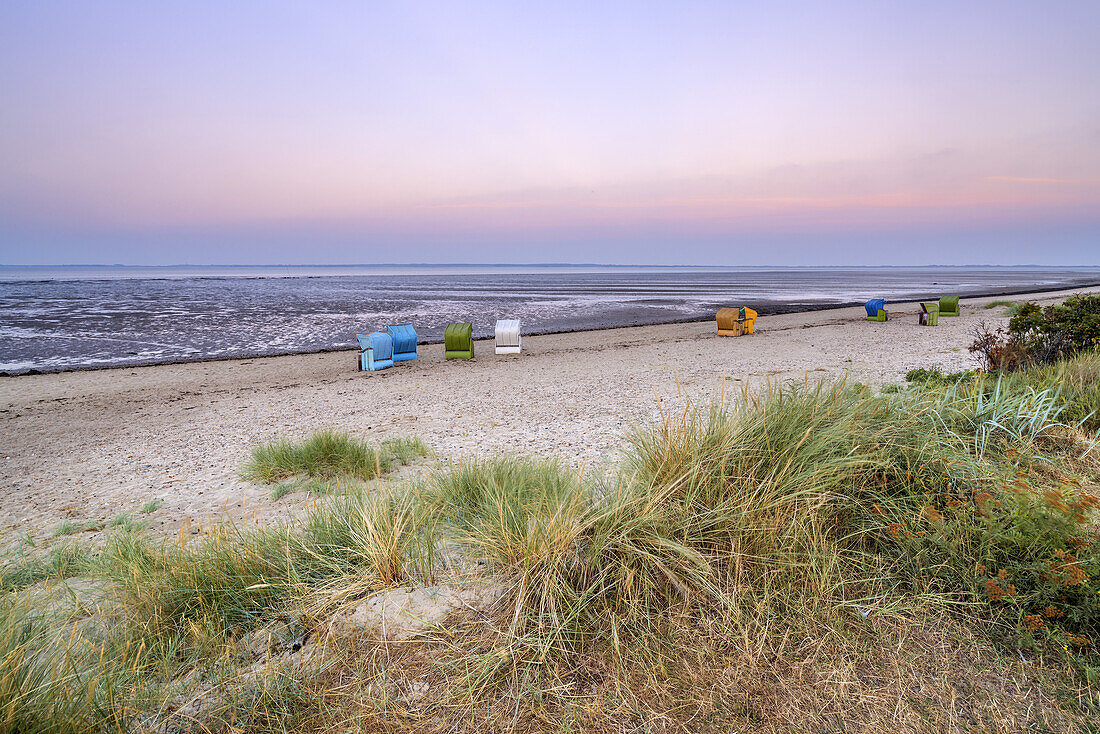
(382, 345)
(735, 321)
(728, 319)
(404, 341)
(874, 305)
(458, 340)
(508, 340)
(376, 351)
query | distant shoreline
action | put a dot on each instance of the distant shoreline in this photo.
(770, 308)
(15, 274)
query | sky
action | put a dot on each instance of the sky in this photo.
(724, 133)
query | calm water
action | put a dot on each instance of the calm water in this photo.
(63, 318)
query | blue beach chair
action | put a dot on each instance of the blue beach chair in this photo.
(876, 309)
(375, 351)
(404, 341)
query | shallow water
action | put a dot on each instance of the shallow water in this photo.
(64, 318)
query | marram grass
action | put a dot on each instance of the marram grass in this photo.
(725, 539)
(329, 455)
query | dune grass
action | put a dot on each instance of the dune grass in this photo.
(1011, 308)
(71, 527)
(51, 683)
(328, 455)
(27, 569)
(1075, 382)
(818, 524)
(189, 597)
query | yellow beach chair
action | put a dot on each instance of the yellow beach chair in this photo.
(735, 321)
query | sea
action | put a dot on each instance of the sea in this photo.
(79, 317)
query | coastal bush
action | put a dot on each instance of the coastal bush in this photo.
(1002, 351)
(1073, 325)
(328, 455)
(1011, 523)
(931, 482)
(1038, 335)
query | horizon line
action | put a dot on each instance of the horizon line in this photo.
(527, 265)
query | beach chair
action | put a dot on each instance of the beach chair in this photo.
(508, 339)
(375, 351)
(929, 313)
(735, 321)
(458, 340)
(876, 309)
(949, 306)
(404, 341)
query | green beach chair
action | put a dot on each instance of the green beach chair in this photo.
(949, 306)
(458, 340)
(929, 313)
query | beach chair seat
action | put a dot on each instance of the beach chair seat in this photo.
(949, 306)
(929, 313)
(508, 340)
(876, 309)
(375, 351)
(404, 341)
(735, 321)
(458, 340)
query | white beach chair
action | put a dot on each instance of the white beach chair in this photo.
(508, 338)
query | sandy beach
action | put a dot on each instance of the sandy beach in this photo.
(90, 445)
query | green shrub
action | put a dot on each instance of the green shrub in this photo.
(1027, 550)
(1059, 330)
(996, 528)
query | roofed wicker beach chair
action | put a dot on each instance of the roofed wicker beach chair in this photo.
(458, 340)
(375, 351)
(949, 305)
(876, 309)
(735, 321)
(404, 341)
(929, 313)
(508, 339)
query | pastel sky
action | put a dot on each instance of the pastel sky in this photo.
(725, 133)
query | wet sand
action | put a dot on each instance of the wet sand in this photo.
(90, 445)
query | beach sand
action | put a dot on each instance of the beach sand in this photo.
(90, 445)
